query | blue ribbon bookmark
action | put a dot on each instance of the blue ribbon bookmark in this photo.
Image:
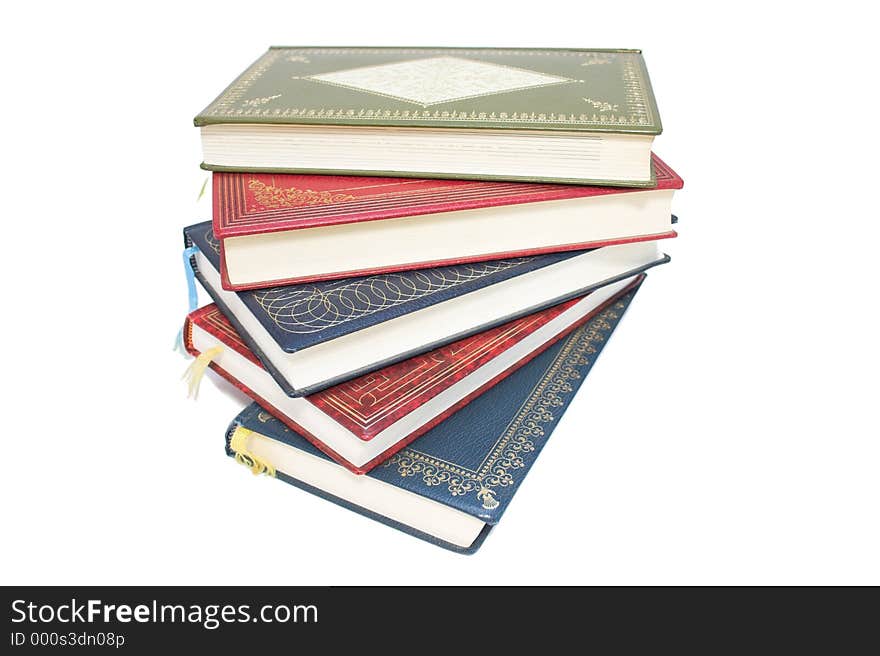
(188, 254)
(191, 291)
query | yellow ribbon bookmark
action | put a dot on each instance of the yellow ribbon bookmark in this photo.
(196, 370)
(238, 444)
(202, 190)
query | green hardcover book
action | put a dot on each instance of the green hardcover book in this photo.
(551, 115)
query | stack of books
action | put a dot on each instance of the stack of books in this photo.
(416, 256)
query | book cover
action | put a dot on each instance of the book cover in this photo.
(476, 459)
(368, 405)
(302, 315)
(259, 203)
(500, 88)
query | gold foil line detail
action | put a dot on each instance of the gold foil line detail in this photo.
(224, 104)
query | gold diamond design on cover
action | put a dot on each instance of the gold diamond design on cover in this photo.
(438, 79)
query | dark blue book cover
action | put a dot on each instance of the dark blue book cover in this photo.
(475, 460)
(300, 316)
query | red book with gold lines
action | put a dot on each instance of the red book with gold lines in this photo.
(278, 229)
(362, 422)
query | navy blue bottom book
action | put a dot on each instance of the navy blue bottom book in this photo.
(453, 484)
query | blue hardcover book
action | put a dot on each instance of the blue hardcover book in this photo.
(311, 336)
(453, 484)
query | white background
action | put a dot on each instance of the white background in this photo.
(728, 434)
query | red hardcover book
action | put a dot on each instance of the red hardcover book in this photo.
(277, 229)
(362, 422)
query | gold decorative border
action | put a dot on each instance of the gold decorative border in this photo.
(640, 114)
(227, 100)
(509, 451)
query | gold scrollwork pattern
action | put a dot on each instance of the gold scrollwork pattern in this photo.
(278, 197)
(516, 444)
(305, 309)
